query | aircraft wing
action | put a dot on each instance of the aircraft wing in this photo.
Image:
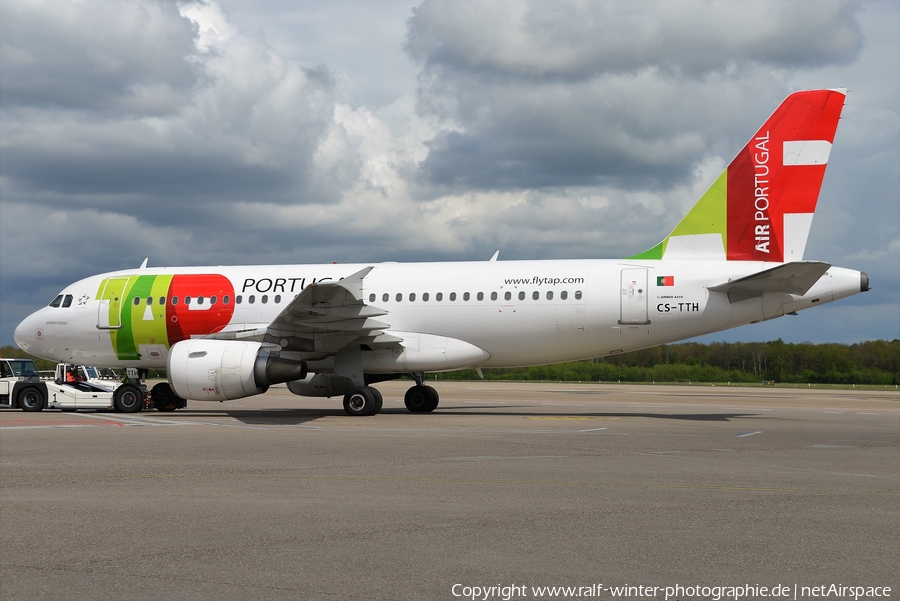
(327, 316)
(791, 278)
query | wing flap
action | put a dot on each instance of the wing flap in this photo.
(327, 316)
(790, 278)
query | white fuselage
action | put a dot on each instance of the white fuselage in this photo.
(518, 312)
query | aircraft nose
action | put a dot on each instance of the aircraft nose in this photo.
(27, 333)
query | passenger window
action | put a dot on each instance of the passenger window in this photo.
(162, 300)
(187, 300)
(578, 294)
(251, 299)
(149, 300)
(522, 295)
(372, 298)
(453, 296)
(385, 297)
(465, 296)
(265, 298)
(226, 299)
(67, 302)
(277, 298)
(399, 297)
(535, 295)
(424, 296)
(174, 300)
(480, 296)
(137, 301)
(439, 296)
(508, 295)
(549, 295)
(493, 296)
(56, 301)
(564, 295)
(199, 300)
(212, 299)
(238, 299)
(412, 297)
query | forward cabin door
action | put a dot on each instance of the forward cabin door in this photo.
(109, 314)
(633, 297)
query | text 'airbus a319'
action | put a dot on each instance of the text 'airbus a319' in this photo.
(224, 333)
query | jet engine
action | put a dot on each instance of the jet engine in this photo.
(224, 370)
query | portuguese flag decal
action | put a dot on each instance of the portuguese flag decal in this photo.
(665, 280)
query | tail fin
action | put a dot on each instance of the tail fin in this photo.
(761, 207)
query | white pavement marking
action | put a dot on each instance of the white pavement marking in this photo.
(745, 434)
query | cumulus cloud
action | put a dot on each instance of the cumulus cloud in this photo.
(204, 133)
(583, 93)
(580, 40)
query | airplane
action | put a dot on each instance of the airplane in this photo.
(224, 333)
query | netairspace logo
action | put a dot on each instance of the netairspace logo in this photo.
(677, 592)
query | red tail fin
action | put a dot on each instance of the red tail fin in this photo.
(773, 183)
(761, 207)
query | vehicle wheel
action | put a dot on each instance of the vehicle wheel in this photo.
(129, 399)
(379, 400)
(31, 399)
(359, 401)
(417, 399)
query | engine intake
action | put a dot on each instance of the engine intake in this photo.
(224, 370)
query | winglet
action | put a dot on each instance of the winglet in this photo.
(353, 282)
(144, 264)
(494, 258)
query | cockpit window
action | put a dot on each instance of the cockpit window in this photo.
(56, 302)
(67, 302)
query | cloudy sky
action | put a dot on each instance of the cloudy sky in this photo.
(355, 131)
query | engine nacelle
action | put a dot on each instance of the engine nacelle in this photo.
(224, 370)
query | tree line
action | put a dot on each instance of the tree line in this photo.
(871, 362)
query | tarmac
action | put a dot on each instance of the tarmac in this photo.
(593, 486)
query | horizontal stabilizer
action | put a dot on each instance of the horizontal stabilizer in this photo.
(791, 278)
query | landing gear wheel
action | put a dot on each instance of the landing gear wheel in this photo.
(360, 401)
(379, 400)
(421, 399)
(129, 399)
(31, 399)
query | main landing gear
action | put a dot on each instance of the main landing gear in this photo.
(366, 400)
(421, 398)
(363, 400)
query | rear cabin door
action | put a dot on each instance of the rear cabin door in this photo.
(633, 298)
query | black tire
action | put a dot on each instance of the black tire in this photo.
(433, 399)
(421, 399)
(379, 400)
(163, 398)
(359, 401)
(31, 399)
(129, 399)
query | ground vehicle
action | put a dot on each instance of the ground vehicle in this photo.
(20, 384)
(77, 387)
